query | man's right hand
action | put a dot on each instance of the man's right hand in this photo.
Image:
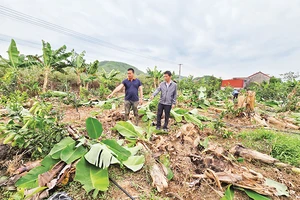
(109, 96)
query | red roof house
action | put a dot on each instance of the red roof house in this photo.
(234, 83)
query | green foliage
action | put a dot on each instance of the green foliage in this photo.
(128, 130)
(92, 168)
(229, 193)
(57, 149)
(91, 177)
(164, 159)
(94, 128)
(33, 129)
(30, 180)
(135, 163)
(146, 113)
(282, 146)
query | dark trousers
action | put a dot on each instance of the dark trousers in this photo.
(167, 109)
(235, 96)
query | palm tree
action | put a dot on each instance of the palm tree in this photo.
(52, 60)
(78, 64)
(155, 75)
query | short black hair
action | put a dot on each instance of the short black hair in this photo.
(168, 72)
(131, 69)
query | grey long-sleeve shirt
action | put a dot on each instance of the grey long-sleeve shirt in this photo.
(168, 94)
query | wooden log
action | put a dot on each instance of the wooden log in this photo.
(240, 150)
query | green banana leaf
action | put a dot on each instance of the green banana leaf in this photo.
(91, 177)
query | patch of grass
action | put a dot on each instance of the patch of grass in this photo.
(282, 146)
(5, 194)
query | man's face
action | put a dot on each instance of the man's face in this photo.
(167, 77)
(130, 74)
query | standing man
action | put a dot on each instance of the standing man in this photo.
(167, 100)
(132, 88)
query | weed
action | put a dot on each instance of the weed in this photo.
(282, 146)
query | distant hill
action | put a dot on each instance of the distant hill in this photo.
(122, 67)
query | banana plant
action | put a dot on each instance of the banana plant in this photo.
(155, 74)
(78, 64)
(90, 72)
(108, 79)
(14, 62)
(52, 60)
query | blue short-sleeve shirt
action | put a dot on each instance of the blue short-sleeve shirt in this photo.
(131, 89)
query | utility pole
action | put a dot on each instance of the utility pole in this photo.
(179, 71)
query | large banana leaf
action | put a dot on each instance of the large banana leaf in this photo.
(70, 154)
(93, 127)
(127, 130)
(13, 54)
(193, 119)
(100, 156)
(91, 177)
(55, 152)
(93, 67)
(30, 180)
(135, 163)
(176, 116)
(120, 152)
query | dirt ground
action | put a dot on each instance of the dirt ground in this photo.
(179, 145)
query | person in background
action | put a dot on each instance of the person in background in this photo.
(168, 90)
(235, 94)
(133, 87)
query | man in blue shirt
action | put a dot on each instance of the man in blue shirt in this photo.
(132, 88)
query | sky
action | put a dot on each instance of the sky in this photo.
(224, 38)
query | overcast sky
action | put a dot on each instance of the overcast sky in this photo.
(209, 37)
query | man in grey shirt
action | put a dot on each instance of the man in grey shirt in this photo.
(168, 90)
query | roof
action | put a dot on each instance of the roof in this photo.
(235, 83)
(258, 73)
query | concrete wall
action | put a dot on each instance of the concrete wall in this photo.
(258, 78)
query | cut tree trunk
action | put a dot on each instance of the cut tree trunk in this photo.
(46, 75)
(78, 79)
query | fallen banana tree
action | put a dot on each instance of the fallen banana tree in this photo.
(222, 169)
(159, 168)
(251, 154)
(88, 157)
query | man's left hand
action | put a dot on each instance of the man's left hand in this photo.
(141, 101)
